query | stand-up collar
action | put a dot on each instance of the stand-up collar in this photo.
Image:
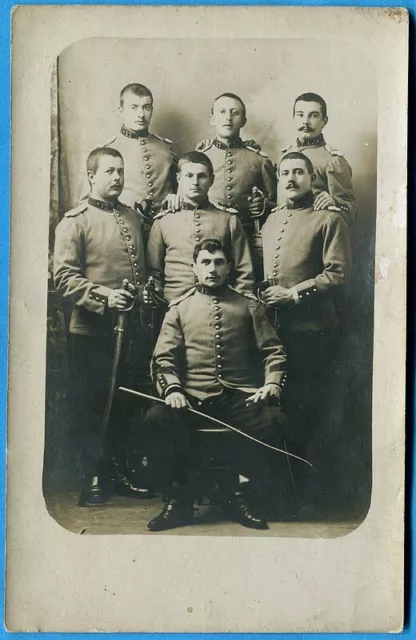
(105, 206)
(312, 142)
(305, 202)
(233, 144)
(193, 207)
(134, 134)
(215, 292)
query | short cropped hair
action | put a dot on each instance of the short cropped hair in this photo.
(94, 157)
(234, 96)
(211, 245)
(137, 90)
(198, 158)
(297, 155)
(311, 97)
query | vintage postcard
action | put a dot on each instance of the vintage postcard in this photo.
(207, 326)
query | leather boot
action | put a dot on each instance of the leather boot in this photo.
(239, 511)
(125, 487)
(176, 513)
(95, 494)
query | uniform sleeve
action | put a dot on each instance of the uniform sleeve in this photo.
(156, 251)
(168, 354)
(269, 346)
(269, 178)
(243, 266)
(69, 268)
(338, 174)
(336, 258)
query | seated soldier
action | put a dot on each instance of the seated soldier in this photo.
(173, 235)
(218, 353)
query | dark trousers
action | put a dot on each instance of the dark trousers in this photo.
(91, 360)
(313, 401)
(173, 444)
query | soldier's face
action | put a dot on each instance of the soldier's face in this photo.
(212, 269)
(294, 178)
(194, 181)
(308, 119)
(136, 112)
(108, 181)
(228, 117)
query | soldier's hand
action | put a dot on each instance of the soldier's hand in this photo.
(256, 203)
(323, 200)
(152, 288)
(268, 392)
(119, 299)
(176, 400)
(172, 203)
(277, 296)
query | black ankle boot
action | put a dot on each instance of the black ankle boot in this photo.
(124, 486)
(176, 513)
(239, 511)
(96, 493)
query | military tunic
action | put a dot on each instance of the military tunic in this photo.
(97, 245)
(238, 168)
(149, 168)
(333, 174)
(309, 251)
(216, 339)
(172, 240)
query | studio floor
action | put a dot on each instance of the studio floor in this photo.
(129, 516)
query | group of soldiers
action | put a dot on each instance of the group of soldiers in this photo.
(239, 268)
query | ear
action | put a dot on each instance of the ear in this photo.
(120, 109)
(90, 176)
(193, 265)
(212, 179)
(212, 119)
(244, 122)
(229, 268)
(325, 122)
(313, 177)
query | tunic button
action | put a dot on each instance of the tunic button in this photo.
(229, 161)
(218, 336)
(219, 358)
(289, 215)
(220, 375)
(278, 246)
(146, 158)
(228, 196)
(197, 224)
(229, 170)
(128, 238)
(197, 215)
(121, 221)
(133, 255)
(279, 238)
(217, 326)
(215, 301)
(134, 264)
(147, 166)
(216, 317)
(285, 222)
(117, 214)
(228, 179)
(228, 188)
(150, 184)
(148, 175)
(150, 194)
(219, 366)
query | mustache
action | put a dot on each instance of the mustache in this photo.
(292, 185)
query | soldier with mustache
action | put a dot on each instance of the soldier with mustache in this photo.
(332, 187)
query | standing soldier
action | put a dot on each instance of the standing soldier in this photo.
(98, 245)
(245, 179)
(332, 187)
(306, 264)
(174, 235)
(150, 166)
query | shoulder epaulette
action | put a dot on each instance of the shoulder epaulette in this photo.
(257, 149)
(183, 297)
(161, 214)
(286, 149)
(109, 141)
(72, 213)
(333, 151)
(204, 145)
(167, 140)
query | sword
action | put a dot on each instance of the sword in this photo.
(119, 331)
(220, 422)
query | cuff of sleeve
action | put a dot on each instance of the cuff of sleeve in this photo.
(97, 299)
(305, 290)
(278, 378)
(171, 389)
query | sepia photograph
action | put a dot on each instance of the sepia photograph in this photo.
(222, 353)
(213, 249)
